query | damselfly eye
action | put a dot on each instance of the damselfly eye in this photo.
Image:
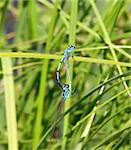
(71, 46)
(67, 86)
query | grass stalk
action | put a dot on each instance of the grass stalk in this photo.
(10, 104)
(43, 82)
(58, 57)
(72, 38)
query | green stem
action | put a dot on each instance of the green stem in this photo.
(10, 104)
(72, 38)
(52, 56)
(43, 81)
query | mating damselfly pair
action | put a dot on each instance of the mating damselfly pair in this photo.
(66, 88)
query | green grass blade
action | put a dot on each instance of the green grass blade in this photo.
(10, 104)
(32, 10)
(43, 82)
(72, 38)
(58, 57)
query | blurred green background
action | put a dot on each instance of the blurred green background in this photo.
(33, 36)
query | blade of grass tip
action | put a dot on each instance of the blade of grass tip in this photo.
(72, 37)
(10, 104)
(90, 120)
(108, 41)
(43, 81)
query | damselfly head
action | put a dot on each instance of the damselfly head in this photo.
(70, 49)
(66, 91)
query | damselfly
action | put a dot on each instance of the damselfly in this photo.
(66, 88)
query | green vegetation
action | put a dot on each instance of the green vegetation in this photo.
(33, 36)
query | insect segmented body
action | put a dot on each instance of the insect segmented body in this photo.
(65, 87)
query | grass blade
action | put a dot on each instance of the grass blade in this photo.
(43, 83)
(53, 56)
(10, 104)
(72, 38)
